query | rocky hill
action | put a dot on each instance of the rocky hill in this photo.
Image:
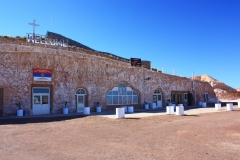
(223, 92)
(214, 83)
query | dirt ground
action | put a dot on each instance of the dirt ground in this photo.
(204, 136)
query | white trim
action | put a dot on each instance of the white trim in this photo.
(129, 89)
(115, 89)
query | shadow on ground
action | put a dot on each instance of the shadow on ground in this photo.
(23, 120)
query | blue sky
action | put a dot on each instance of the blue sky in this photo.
(190, 35)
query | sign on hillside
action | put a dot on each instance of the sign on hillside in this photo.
(136, 62)
(35, 38)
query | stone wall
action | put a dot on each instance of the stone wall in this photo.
(227, 95)
(80, 69)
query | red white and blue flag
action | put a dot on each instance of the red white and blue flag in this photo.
(42, 74)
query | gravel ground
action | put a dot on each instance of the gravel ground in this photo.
(203, 136)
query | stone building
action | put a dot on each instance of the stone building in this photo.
(84, 78)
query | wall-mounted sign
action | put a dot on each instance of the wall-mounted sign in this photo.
(42, 74)
(136, 62)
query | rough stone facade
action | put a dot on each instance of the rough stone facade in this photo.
(227, 95)
(75, 68)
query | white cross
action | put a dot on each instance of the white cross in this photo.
(34, 24)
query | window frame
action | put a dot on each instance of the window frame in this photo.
(123, 94)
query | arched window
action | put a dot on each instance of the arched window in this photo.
(157, 91)
(122, 95)
(80, 91)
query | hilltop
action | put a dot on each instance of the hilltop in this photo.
(216, 84)
(223, 92)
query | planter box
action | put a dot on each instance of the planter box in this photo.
(125, 109)
(153, 105)
(98, 109)
(120, 113)
(86, 110)
(65, 110)
(146, 106)
(20, 113)
(204, 104)
(217, 106)
(229, 106)
(170, 109)
(180, 110)
(26, 112)
(130, 109)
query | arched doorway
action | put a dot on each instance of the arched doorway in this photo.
(80, 94)
(157, 98)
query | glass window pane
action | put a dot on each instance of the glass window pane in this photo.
(154, 98)
(45, 99)
(120, 85)
(134, 93)
(135, 100)
(109, 100)
(125, 100)
(129, 99)
(80, 99)
(36, 100)
(115, 92)
(156, 91)
(115, 99)
(124, 85)
(80, 91)
(120, 100)
(129, 92)
(109, 93)
(120, 91)
(40, 90)
(124, 91)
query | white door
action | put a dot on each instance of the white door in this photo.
(36, 104)
(41, 101)
(159, 101)
(80, 103)
(157, 98)
(45, 108)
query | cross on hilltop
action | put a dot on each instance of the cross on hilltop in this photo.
(34, 24)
